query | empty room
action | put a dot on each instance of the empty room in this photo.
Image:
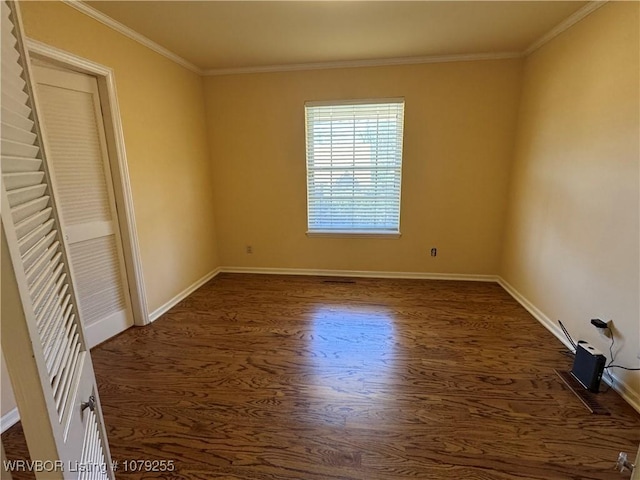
(311, 240)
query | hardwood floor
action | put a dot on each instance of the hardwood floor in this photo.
(308, 378)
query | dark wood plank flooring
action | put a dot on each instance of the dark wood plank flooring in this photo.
(274, 377)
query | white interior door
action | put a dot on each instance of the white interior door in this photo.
(43, 341)
(635, 475)
(69, 107)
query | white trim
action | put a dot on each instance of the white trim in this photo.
(124, 198)
(630, 396)
(9, 419)
(353, 234)
(467, 57)
(536, 313)
(162, 309)
(470, 57)
(361, 273)
(359, 101)
(105, 328)
(567, 23)
(120, 169)
(132, 34)
(61, 56)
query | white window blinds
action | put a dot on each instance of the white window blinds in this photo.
(354, 166)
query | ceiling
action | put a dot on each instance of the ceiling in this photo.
(221, 35)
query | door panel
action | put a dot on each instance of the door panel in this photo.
(43, 341)
(71, 130)
(70, 110)
(635, 475)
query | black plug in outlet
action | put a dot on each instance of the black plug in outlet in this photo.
(596, 322)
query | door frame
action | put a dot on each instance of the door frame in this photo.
(117, 162)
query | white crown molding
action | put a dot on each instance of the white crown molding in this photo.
(564, 25)
(470, 57)
(128, 32)
(132, 34)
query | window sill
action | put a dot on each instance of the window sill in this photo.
(353, 234)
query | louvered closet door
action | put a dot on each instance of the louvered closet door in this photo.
(70, 113)
(43, 337)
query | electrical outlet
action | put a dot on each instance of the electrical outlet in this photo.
(605, 332)
(605, 329)
(249, 249)
(434, 252)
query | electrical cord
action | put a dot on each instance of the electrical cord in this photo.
(611, 365)
(566, 332)
(611, 354)
(611, 345)
(606, 368)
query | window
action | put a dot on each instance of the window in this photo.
(354, 166)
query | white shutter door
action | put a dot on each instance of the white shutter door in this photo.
(78, 158)
(55, 344)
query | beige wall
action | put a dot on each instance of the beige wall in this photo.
(459, 127)
(163, 118)
(572, 236)
(570, 244)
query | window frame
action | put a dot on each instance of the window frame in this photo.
(354, 232)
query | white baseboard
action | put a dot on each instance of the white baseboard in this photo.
(361, 273)
(9, 419)
(630, 396)
(108, 327)
(536, 313)
(158, 312)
